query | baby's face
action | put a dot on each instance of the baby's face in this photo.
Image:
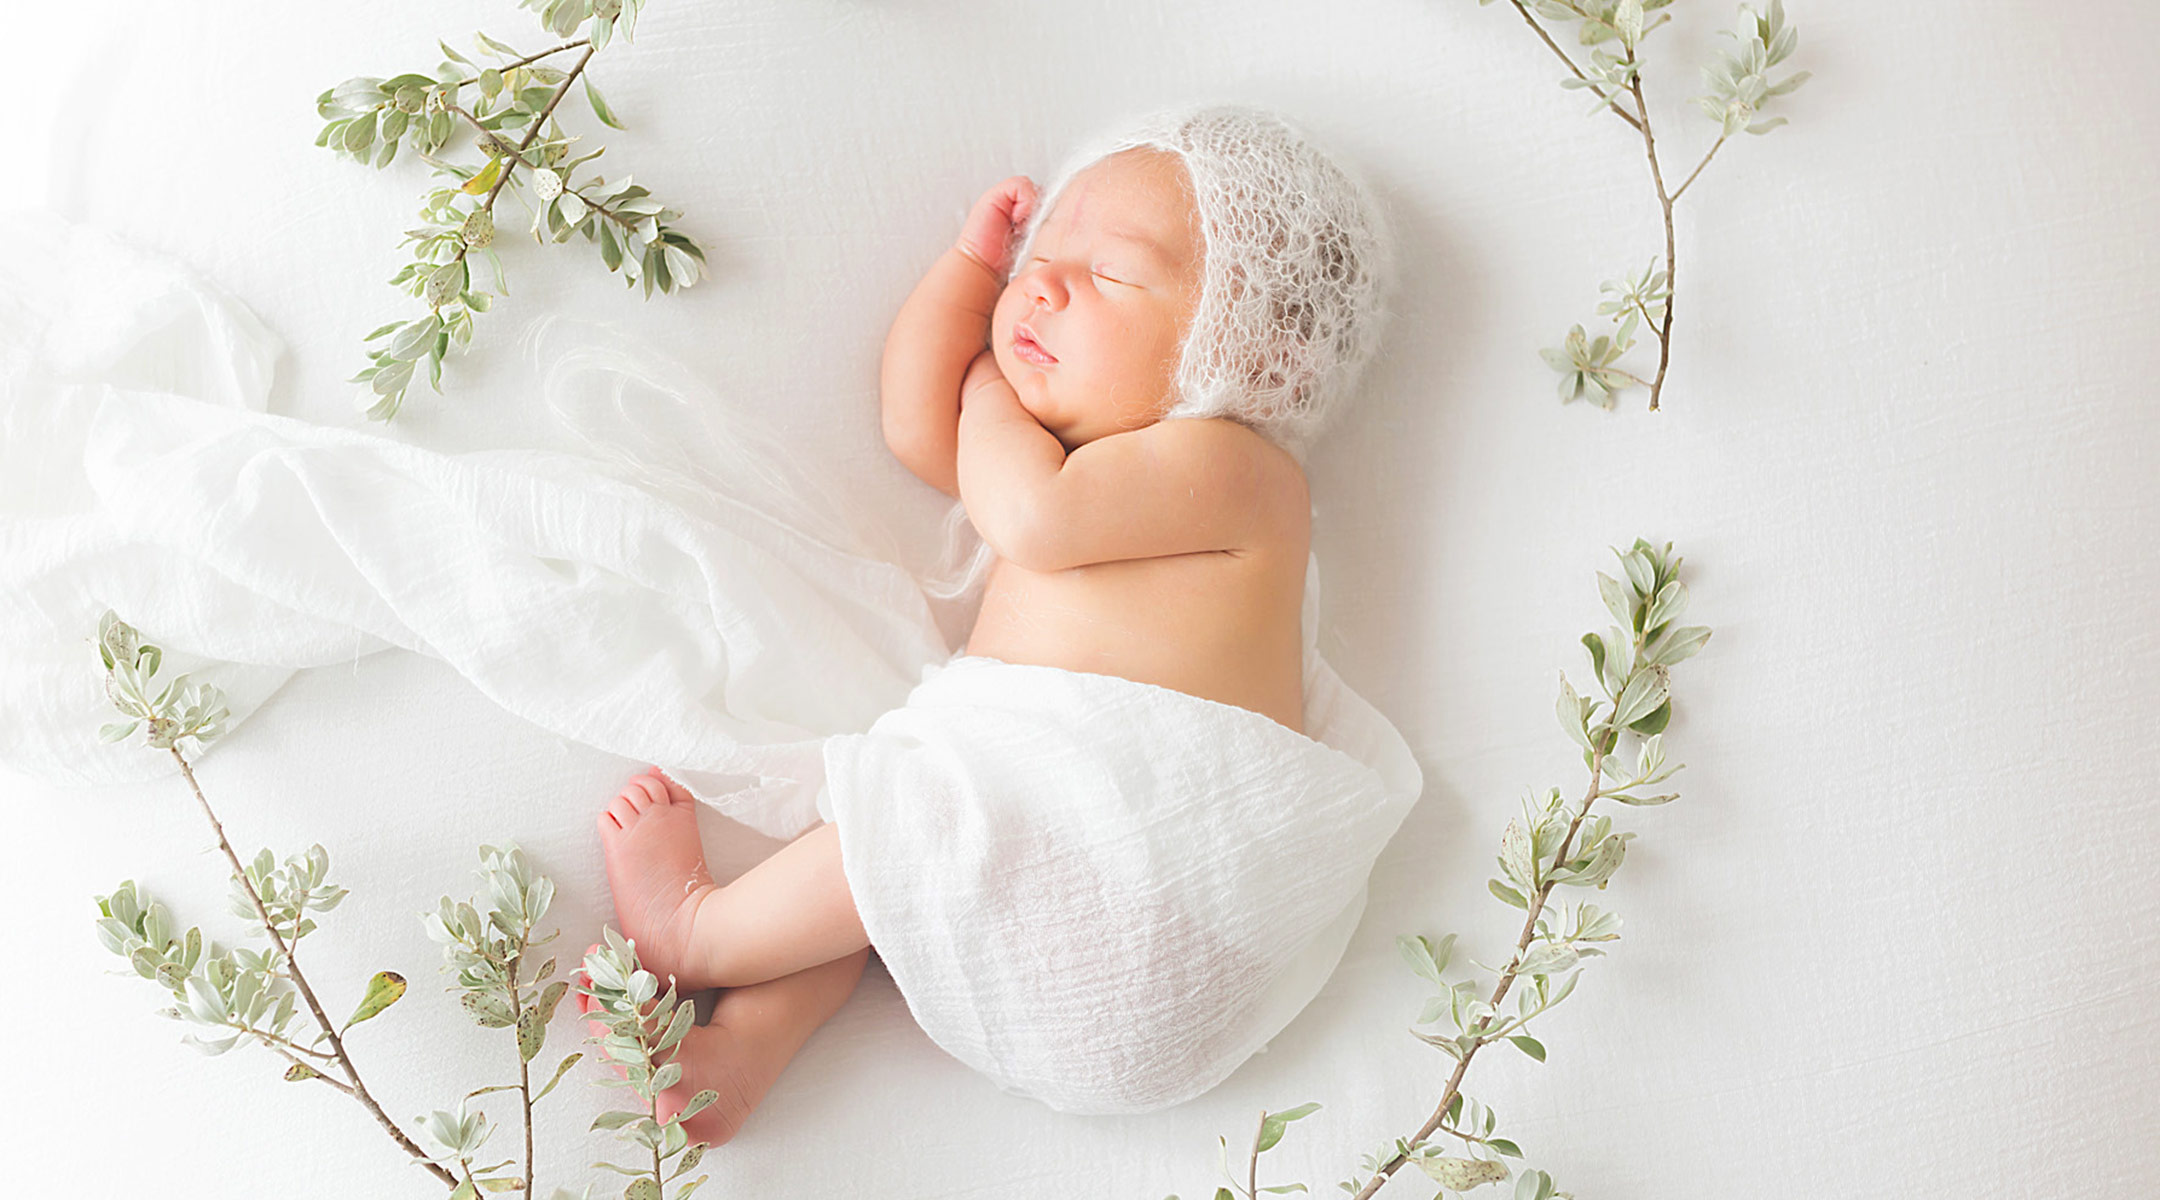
(1088, 329)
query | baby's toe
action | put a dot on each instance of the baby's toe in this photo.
(677, 792)
(646, 791)
(623, 811)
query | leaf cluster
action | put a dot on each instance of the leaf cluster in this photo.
(287, 892)
(1739, 81)
(369, 117)
(645, 1030)
(182, 709)
(488, 952)
(1738, 86)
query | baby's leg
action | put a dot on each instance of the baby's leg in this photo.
(790, 912)
(752, 1035)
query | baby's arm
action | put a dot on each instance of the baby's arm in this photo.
(943, 325)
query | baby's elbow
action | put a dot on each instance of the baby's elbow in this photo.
(1020, 534)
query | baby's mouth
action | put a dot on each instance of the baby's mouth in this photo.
(1030, 350)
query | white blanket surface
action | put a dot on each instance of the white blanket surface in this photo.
(1102, 894)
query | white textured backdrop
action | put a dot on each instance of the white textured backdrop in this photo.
(1895, 939)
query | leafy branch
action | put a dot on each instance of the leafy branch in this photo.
(642, 1038)
(244, 994)
(244, 991)
(369, 118)
(1738, 86)
(489, 955)
(1550, 845)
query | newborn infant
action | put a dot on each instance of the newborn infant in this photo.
(1118, 380)
(1168, 552)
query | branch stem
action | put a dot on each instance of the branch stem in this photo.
(1507, 978)
(1554, 46)
(337, 1044)
(1678, 192)
(1665, 204)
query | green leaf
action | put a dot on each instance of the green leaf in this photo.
(489, 1009)
(615, 1119)
(1505, 1146)
(562, 1068)
(1461, 1174)
(1679, 645)
(1425, 958)
(1530, 1046)
(642, 1189)
(299, 1071)
(599, 105)
(1617, 600)
(1288, 1187)
(465, 1191)
(382, 991)
(1654, 722)
(1643, 693)
(484, 178)
(1271, 1126)
(531, 1033)
(116, 731)
(1508, 894)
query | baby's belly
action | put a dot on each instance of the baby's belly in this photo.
(1221, 625)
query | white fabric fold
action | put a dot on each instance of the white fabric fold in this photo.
(1105, 894)
(1100, 893)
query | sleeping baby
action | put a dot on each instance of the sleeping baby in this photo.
(1119, 840)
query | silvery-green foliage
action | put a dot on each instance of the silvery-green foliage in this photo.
(1739, 85)
(644, 1030)
(182, 709)
(1739, 82)
(369, 117)
(1587, 366)
(233, 994)
(1548, 845)
(287, 892)
(490, 953)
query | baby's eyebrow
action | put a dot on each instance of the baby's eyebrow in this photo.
(1143, 241)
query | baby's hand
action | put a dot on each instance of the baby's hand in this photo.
(990, 225)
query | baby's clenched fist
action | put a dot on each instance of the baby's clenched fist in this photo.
(1003, 209)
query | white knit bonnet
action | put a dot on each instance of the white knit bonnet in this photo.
(1297, 259)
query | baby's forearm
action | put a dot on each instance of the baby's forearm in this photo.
(1008, 465)
(943, 325)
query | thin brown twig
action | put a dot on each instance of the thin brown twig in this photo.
(524, 1066)
(337, 1044)
(1554, 46)
(1677, 192)
(591, 203)
(1507, 977)
(313, 1073)
(539, 121)
(1665, 203)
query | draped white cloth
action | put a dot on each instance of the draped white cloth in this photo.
(1100, 893)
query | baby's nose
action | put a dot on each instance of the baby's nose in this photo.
(1045, 290)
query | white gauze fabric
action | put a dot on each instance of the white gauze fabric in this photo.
(1299, 259)
(1102, 894)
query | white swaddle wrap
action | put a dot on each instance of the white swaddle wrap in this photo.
(1106, 894)
(1100, 893)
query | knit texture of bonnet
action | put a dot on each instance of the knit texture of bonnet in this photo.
(1297, 260)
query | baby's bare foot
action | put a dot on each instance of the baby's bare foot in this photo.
(712, 1056)
(656, 868)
